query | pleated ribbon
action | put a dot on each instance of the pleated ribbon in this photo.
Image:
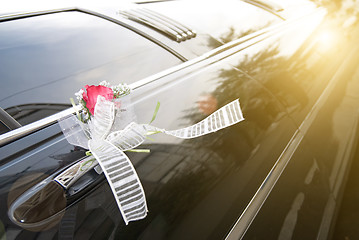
(108, 145)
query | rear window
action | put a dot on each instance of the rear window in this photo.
(46, 59)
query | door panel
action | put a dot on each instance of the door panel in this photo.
(318, 86)
(296, 205)
(195, 187)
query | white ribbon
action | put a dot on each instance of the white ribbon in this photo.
(108, 147)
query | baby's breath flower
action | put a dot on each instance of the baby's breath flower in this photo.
(104, 83)
(120, 90)
(79, 95)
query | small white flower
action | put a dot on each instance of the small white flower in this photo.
(79, 95)
(120, 90)
(105, 84)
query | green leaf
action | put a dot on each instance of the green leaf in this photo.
(149, 133)
(156, 111)
(139, 150)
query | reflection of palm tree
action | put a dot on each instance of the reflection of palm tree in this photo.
(278, 74)
(330, 5)
(231, 34)
(255, 100)
(226, 150)
(266, 84)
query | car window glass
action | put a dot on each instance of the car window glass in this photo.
(3, 128)
(46, 59)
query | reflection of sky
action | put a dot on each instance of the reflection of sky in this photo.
(288, 43)
(48, 58)
(217, 17)
(284, 41)
(295, 7)
(11, 6)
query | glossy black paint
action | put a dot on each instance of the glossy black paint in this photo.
(86, 47)
(322, 100)
(197, 189)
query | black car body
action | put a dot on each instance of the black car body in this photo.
(278, 174)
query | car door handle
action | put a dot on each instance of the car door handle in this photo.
(43, 205)
(73, 173)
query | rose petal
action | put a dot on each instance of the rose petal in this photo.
(90, 96)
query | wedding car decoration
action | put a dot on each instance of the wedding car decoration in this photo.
(105, 125)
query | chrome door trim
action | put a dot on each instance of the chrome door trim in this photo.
(250, 212)
(32, 127)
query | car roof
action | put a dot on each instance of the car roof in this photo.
(218, 20)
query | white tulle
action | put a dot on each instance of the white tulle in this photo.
(110, 132)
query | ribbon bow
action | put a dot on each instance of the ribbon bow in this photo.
(108, 145)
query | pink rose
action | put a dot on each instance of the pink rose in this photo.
(90, 95)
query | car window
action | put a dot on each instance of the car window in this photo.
(45, 59)
(3, 128)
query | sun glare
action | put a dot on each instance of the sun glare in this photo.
(327, 39)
